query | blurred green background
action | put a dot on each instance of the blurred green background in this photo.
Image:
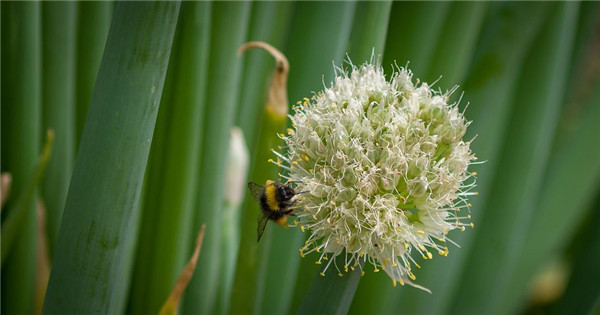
(142, 98)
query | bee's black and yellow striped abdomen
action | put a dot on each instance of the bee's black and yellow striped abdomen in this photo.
(271, 203)
(268, 199)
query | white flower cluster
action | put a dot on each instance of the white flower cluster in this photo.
(382, 167)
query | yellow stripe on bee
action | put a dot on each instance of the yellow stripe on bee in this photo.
(270, 192)
(282, 221)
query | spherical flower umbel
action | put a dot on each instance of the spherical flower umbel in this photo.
(383, 168)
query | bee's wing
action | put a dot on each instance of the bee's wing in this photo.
(262, 223)
(255, 189)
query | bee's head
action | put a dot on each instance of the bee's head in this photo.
(286, 191)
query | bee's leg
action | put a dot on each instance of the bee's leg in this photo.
(291, 212)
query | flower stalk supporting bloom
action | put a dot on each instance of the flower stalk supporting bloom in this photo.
(383, 166)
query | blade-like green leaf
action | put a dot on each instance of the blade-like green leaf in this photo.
(93, 22)
(123, 285)
(453, 51)
(109, 170)
(596, 307)
(328, 29)
(573, 171)
(582, 80)
(529, 140)
(331, 294)
(21, 118)
(582, 74)
(369, 30)
(413, 32)
(169, 209)
(491, 90)
(228, 32)
(314, 43)
(584, 284)
(151, 190)
(58, 91)
(537, 103)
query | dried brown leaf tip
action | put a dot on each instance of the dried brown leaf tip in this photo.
(5, 183)
(172, 303)
(278, 99)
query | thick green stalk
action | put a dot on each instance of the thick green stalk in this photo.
(151, 191)
(369, 30)
(596, 307)
(491, 88)
(453, 51)
(21, 108)
(58, 91)
(227, 34)
(582, 74)
(109, 170)
(584, 283)
(331, 294)
(132, 235)
(93, 19)
(413, 33)
(573, 171)
(269, 23)
(540, 95)
(168, 213)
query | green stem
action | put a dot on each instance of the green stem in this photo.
(59, 107)
(332, 293)
(173, 165)
(523, 159)
(93, 22)
(413, 32)
(21, 109)
(369, 30)
(227, 34)
(106, 183)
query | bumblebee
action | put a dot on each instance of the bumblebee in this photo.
(276, 200)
